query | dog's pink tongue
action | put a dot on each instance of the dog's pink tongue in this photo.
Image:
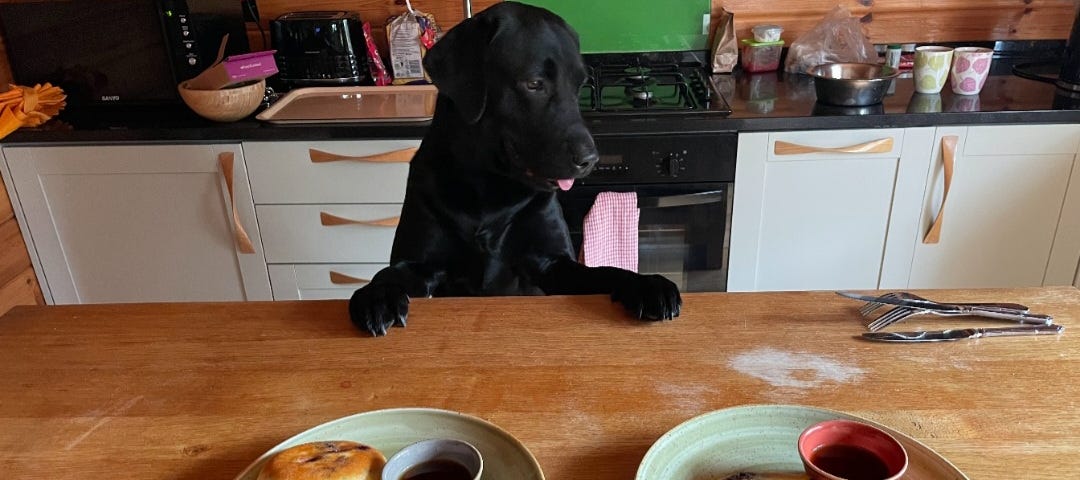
(565, 183)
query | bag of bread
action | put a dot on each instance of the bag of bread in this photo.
(410, 35)
(375, 63)
(725, 47)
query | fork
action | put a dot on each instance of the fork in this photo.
(871, 307)
(902, 312)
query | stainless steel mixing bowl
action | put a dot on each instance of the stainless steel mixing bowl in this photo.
(852, 84)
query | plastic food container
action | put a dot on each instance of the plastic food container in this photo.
(767, 33)
(761, 56)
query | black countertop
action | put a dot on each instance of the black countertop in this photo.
(760, 102)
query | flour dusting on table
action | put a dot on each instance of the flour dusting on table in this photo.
(793, 369)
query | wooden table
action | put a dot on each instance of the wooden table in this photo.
(197, 391)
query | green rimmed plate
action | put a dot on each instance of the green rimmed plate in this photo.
(390, 430)
(758, 441)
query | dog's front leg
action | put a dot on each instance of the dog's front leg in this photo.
(651, 297)
(384, 302)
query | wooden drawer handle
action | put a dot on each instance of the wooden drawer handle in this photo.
(948, 154)
(338, 278)
(226, 159)
(881, 145)
(331, 220)
(394, 156)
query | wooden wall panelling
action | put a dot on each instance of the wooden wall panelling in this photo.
(919, 21)
(21, 290)
(889, 21)
(18, 285)
(5, 66)
(447, 13)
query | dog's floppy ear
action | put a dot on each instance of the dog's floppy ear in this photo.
(456, 65)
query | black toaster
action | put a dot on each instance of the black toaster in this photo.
(322, 48)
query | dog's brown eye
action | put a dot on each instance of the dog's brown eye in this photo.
(534, 84)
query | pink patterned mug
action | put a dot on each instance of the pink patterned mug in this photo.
(971, 66)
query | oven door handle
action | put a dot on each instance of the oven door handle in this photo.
(686, 200)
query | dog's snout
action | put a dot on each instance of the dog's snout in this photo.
(587, 159)
(582, 149)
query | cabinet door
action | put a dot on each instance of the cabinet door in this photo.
(812, 208)
(1007, 198)
(139, 223)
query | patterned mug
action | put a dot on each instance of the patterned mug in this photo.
(971, 66)
(931, 68)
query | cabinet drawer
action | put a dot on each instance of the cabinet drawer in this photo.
(1023, 140)
(369, 171)
(870, 143)
(316, 282)
(327, 233)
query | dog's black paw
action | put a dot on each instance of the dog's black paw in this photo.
(376, 308)
(649, 297)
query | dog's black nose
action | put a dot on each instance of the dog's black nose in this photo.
(587, 160)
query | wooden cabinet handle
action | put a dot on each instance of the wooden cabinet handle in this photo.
(948, 154)
(338, 278)
(394, 156)
(331, 220)
(226, 160)
(881, 145)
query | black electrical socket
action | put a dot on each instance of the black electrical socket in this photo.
(251, 10)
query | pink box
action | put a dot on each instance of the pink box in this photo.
(234, 70)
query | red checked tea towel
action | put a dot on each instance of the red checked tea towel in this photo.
(610, 232)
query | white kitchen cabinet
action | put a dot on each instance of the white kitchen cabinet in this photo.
(328, 211)
(840, 217)
(812, 209)
(144, 223)
(328, 233)
(355, 171)
(320, 281)
(1011, 217)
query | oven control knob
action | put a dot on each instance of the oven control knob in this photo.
(672, 165)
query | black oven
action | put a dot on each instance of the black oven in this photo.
(684, 191)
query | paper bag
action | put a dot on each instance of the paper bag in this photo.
(725, 47)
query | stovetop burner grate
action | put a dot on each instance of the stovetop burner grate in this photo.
(648, 87)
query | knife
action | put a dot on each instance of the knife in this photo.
(1001, 312)
(962, 333)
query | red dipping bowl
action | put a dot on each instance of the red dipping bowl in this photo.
(849, 450)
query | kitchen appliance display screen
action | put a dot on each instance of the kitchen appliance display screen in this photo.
(611, 160)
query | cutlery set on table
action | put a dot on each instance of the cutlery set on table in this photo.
(899, 306)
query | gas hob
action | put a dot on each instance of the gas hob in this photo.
(648, 84)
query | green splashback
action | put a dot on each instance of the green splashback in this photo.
(612, 26)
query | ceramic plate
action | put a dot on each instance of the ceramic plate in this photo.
(390, 430)
(759, 442)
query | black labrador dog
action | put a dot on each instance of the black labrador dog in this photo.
(480, 214)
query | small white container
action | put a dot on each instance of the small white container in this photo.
(767, 33)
